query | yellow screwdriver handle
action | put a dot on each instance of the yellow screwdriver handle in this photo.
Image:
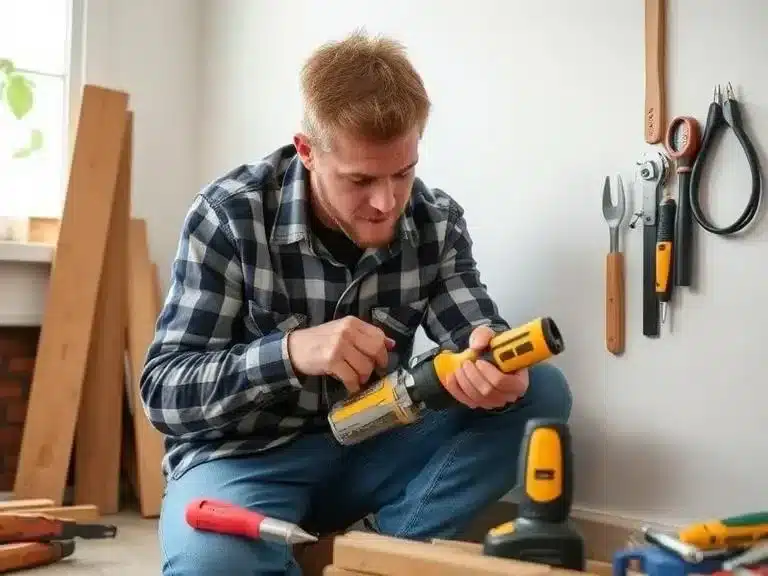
(509, 351)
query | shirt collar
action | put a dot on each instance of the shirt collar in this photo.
(291, 220)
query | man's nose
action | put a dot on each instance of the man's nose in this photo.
(383, 197)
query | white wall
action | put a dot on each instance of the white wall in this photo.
(151, 50)
(534, 104)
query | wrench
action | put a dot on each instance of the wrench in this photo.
(653, 171)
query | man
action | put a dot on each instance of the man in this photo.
(302, 278)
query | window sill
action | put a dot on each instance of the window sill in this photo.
(26, 252)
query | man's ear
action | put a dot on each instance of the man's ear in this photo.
(304, 150)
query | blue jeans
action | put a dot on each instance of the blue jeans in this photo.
(425, 480)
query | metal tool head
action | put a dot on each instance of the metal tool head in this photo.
(613, 213)
(654, 167)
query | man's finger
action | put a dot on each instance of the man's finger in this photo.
(361, 363)
(346, 374)
(508, 384)
(469, 389)
(490, 396)
(455, 390)
(372, 345)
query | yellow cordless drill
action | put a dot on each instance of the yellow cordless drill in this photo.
(543, 532)
(402, 396)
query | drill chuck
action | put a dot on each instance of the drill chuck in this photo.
(400, 397)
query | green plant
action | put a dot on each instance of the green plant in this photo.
(17, 92)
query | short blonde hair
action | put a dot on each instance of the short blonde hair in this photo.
(362, 86)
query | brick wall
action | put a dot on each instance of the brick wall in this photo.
(17, 359)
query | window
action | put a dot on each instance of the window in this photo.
(41, 39)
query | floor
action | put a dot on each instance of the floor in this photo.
(134, 551)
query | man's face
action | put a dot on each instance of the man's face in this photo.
(361, 186)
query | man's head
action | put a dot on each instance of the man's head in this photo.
(365, 110)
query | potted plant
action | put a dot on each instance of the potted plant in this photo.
(17, 99)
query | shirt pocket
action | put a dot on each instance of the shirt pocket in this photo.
(400, 323)
(262, 322)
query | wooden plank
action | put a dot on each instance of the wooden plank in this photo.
(81, 513)
(14, 505)
(99, 426)
(65, 335)
(388, 556)
(593, 566)
(142, 315)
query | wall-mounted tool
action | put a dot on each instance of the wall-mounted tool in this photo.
(653, 171)
(665, 257)
(614, 289)
(720, 115)
(655, 45)
(682, 144)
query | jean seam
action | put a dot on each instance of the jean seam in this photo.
(433, 482)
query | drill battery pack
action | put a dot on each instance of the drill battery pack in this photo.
(558, 544)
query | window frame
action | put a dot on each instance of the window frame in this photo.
(73, 78)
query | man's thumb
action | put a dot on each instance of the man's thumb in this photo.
(480, 337)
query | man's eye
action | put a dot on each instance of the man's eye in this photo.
(362, 182)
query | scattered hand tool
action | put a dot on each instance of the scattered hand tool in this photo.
(687, 552)
(682, 144)
(20, 556)
(756, 555)
(719, 116)
(614, 290)
(665, 261)
(543, 532)
(743, 530)
(655, 45)
(653, 170)
(402, 396)
(226, 518)
(16, 528)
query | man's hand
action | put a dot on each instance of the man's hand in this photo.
(348, 349)
(480, 384)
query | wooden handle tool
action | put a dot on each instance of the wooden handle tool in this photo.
(614, 303)
(655, 29)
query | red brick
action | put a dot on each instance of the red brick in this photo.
(10, 388)
(16, 413)
(21, 365)
(18, 347)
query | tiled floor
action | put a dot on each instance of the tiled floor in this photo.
(134, 551)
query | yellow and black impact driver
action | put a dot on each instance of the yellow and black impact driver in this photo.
(400, 397)
(543, 532)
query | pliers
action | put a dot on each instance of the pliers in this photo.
(720, 115)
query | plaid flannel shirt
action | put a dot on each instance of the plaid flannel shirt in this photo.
(218, 380)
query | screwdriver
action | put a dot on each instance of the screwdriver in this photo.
(664, 254)
(682, 143)
(226, 518)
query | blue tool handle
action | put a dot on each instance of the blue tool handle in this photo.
(622, 558)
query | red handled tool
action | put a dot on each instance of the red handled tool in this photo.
(226, 518)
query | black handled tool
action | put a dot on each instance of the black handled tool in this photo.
(665, 254)
(720, 115)
(653, 171)
(682, 143)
